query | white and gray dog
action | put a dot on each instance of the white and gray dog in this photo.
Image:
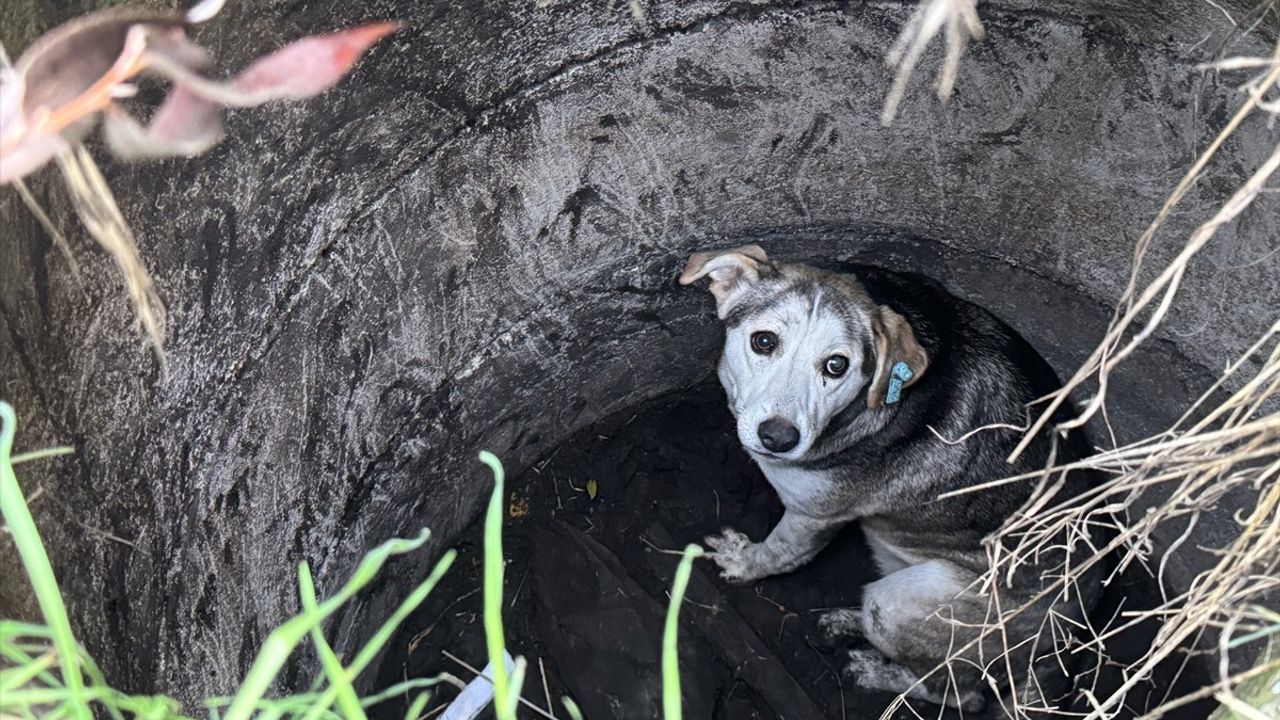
(843, 385)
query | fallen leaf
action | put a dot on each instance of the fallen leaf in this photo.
(519, 506)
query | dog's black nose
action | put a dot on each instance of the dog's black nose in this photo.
(778, 435)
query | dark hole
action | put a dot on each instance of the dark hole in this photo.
(587, 581)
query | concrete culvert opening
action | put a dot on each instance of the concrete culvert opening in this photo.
(472, 244)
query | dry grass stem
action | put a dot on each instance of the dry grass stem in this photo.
(1225, 445)
(1230, 446)
(50, 228)
(959, 19)
(96, 206)
(1158, 295)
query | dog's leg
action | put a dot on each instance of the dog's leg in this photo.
(901, 617)
(841, 622)
(846, 622)
(794, 542)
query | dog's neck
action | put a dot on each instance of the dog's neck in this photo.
(851, 426)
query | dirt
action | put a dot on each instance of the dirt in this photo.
(590, 536)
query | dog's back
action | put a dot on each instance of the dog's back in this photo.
(983, 373)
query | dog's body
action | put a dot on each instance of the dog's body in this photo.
(850, 390)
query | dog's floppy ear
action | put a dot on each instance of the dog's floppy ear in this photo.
(895, 343)
(731, 272)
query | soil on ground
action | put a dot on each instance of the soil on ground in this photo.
(589, 539)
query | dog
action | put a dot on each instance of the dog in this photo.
(848, 388)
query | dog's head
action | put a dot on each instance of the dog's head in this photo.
(801, 346)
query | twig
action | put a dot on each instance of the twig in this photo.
(546, 689)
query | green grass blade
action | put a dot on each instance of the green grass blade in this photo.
(22, 527)
(671, 709)
(280, 644)
(16, 652)
(293, 706)
(29, 696)
(406, 608)
(96, 678)
(380, 638)
(21, 658)
(571, 707)
(1258, 634)
(348, 700)
(19, 629)
(401, 688)
(493, 567)
(415, 710)
(15, 677)
(1270, 616)
(517, 681)
(271, 712)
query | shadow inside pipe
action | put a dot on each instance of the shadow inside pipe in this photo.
(587, 580)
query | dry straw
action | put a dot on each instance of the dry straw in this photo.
(1226, 444)
(96, 206)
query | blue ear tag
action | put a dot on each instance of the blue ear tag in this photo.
(900, 374)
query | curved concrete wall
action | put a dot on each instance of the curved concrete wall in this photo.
(472, 243)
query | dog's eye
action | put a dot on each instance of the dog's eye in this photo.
(835, 366)
(764, 343)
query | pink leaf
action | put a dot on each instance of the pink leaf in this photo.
(69, 67)
(186, 124)
(309, 66)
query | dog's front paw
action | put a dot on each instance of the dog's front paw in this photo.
(732, 551)
(840, 623)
